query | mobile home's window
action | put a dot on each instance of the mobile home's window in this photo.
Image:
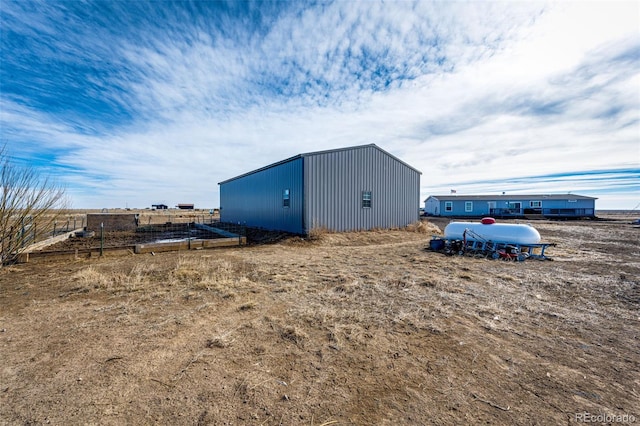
(366, 199)
(468, 206)
(535, 204)
(285, 198)
(448, 206)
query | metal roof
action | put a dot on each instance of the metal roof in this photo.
(514, 197)
(308, 154)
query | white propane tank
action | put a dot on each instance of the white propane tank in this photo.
(496, 232)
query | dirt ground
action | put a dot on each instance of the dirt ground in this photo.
(365, 328)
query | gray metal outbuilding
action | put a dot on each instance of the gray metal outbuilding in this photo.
(356, 188)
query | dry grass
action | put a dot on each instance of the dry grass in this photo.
(424, 227)
(130, 281)
(317, 233)
(355, 328)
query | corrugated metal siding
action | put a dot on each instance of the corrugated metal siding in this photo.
(256, 199)
(334, 183)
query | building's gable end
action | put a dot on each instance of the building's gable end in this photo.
(359, 188)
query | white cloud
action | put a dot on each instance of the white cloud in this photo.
(465, 92)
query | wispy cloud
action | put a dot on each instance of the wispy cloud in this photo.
(142, 102)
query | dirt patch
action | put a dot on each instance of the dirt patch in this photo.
(353, 328)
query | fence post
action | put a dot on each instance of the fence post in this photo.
(54, 229)
(101, 238)
(22, 233)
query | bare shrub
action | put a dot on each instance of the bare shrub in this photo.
(30, 204)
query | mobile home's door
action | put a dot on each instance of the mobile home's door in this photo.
(491, 206)
(515, 207)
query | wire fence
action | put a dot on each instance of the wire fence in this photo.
(88, 232)
(200, 228)
(129, 230)
(29, 232)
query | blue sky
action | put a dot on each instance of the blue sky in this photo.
(136, 103)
